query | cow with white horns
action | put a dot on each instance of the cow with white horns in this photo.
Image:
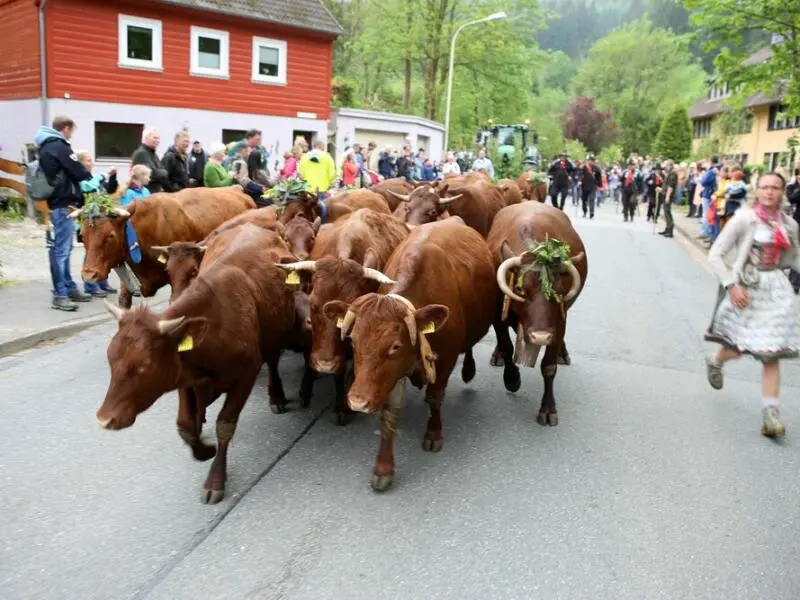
(541, 269)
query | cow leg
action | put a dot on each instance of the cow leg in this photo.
(191, 415)
(505, 349)
(548, 415)
(468, 368)
(277, 397)
(434, 397)
(497, 358)
(125, 299)
(341, 411)
(307, 383)
(235, 399)
(383, 473)
(563, 356)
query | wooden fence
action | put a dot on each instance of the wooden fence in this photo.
(12, 176)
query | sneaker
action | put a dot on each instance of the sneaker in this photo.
(98, 293)
(108, 289)
(714, 373)
(77, 296)
(773, 426)
(65, 304)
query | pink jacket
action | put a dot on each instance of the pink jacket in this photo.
(289, 168)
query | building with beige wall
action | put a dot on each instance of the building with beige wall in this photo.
(765, 133)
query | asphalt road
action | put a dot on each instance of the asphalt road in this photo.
(652, 486)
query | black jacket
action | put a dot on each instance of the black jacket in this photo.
(158, 179)
(793, 196)
(197, 165)
(561, 170)
(177, 171)
(591, 178)
(63, 171)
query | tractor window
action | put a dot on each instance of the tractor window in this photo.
(505, 136)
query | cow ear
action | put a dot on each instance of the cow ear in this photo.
(442, 190)
(190, 333)
(371, 259)
(431, 318)
(316, 225)
(335, 310)
(505, 251)
(578, 257)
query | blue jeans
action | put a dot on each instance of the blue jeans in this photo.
(705, 226)
(60, 253)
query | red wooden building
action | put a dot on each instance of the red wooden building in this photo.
(216, 67)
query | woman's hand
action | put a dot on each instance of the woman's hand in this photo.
(739, 296)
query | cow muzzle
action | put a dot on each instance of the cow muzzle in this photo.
(360, 404)
(115, 422)
(329, 367)
(540, 338)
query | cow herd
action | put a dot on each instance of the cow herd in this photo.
(371, 286)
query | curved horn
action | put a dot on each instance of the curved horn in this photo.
(502, 275)
(576, 282)
(75, 213)
(446, 201)
(164, 249)
(303, 265)
(400, 196)
(120, 212)
(376, 275)
(115, 311)
(347, 323)
(170, 325)
(411, 323)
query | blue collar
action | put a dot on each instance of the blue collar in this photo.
(324, 208)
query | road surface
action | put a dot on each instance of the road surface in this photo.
(652, 486)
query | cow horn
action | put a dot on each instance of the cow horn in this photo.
(164, 249)
(347, 323)
(303, 265)
(120, 212)
(411, 323)
(115, 311)
(170, 325)
(502, 276)
(76, 213)
(376, 275)
(446, 201)
(400, 196)
(576, 282)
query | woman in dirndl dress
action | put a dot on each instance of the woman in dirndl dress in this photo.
(755, 312)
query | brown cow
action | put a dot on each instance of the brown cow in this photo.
(345, 266)
(301, 235)
(445, 289)
(538, 320)
(511, 191)
(476, 203)
(266, 218)
(398, 185)
(159, 220)
(531, 190)
(214, 338)
(333, 208)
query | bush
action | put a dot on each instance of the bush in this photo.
(674, 140)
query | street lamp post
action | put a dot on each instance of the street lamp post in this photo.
(492, 17)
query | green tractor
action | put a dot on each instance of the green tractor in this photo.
(508, 137)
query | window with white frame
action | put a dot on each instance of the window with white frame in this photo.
(139, 42)
(209, 53)
(269, 61)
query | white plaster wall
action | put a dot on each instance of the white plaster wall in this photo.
(347, 125)
(203, 125)
(19, 120)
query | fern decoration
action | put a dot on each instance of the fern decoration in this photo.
(549, 258)
(95, 206)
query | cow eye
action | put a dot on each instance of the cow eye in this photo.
(395, 348)
(193, 273)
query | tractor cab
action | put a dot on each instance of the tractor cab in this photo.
(508, 137)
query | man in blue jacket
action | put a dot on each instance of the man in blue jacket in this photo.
(64, 172)
(709, 183)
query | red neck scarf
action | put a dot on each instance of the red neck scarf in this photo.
(775, 222)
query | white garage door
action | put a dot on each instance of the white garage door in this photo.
(381, 138)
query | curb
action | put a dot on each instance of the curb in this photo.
(690, 237)
(62, 330)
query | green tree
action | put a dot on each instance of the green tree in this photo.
(576, 150)
(611, 155)
(639, 72)
(729, 23)
(674, 139)
(547, 114)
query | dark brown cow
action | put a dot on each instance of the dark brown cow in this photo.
(511, 191)
(159, 220)
(398, 185)
(214, 338)
(301, 235)
(476, 203)
(445, 290)
(539, 321)
(345, 266)
(333, 208)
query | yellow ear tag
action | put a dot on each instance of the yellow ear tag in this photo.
(339, 322)
(162, 259)
(429, 328)
(186, 345)
(293, 277)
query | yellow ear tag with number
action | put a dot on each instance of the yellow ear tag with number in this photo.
(186, 345)
(293, 277)
(339, 322)
(162, 259)
(429, 328)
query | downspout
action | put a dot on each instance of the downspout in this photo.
(42, 4)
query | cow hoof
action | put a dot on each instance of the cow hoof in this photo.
(203, 452)
(430, 445)
(381, 483)
(564, 360)
(511, 378)
(212, 496)
(496, 360)
(278, 409)
(547, 418)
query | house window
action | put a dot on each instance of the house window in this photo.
(269, 61)
(233, 135)
(209, 54)
(139, 43)
(116, 140)
(702, 128)
(773, 160)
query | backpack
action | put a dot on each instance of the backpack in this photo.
(39, 187)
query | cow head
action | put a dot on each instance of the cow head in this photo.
(425, 204)
(541, 318)
(301, 234)
(182, 262)
(386, 347)
(104, 240)
(145, 360)
(334, 279)
(305, 204)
